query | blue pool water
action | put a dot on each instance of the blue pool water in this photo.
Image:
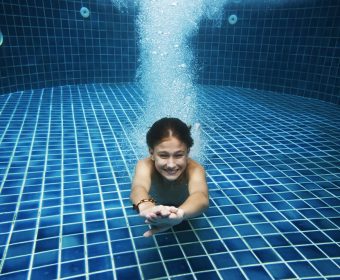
(66, 161)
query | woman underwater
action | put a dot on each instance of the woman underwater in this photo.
(169, 178)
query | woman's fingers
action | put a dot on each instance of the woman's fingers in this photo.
(161, 216)
(172, 216)
(154, 230)
(161, 210)
(173, 209)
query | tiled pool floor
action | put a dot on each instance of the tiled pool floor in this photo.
(273, 167)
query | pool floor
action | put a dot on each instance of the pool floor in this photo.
(66, 161)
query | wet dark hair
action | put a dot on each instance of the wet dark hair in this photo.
(167, 127)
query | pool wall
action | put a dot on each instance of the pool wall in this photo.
(282, 46)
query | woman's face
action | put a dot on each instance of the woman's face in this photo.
(171, 158)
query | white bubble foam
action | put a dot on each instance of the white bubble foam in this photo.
(167, 70)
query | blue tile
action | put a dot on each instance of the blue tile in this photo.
(2, 249)
(144, 243)
(176, 267)
(72, 240)
(226, 232)
(186, 237)
(116, 234)
(280, 271)
(72, 253)
(213, 247)
(276, 240)
(256, 218)
(96, 237)
(47, 244)
(333, 234)
(265, 228)
(266, 255)
(206, 234)
(97, 225)
(15, 264)
(100, 263)
(16, 275)
(155, 270)
(121, 246)
(331, 250)
(326, 267)
(297, 238)
(171, 252)
(211, 275)
(235, 244)
(193, 249)
(245, 230)
(3, 239)
(285, 227)
(303, 269)
(264, 207)
(107, 275)
(72, 268)
(47, 272)
(223, 260)
(200, 263)
(45, 258)
(73, 228)
(150, 255)
(128, 273)
(323, 224)
(5, 227)
(22, 225)
(49, 221)
(256, 272)
(229, 210)
(245, 258)
(256, 242)
(289, 253)
(311, 252)
(247, 208)
(19, 249)
(237, 219)
(233, 273)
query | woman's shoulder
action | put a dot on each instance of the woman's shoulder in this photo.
(194, 166)
(145, 163)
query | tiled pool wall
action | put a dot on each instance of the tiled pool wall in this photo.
(283, 46)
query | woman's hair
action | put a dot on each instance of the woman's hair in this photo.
(167, 127)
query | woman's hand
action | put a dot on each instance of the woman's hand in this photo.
(156, 212)
(161, 218)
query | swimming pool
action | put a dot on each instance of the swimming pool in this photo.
(268, 95)
(66, 161)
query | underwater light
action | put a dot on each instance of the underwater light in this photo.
(232, 19)
(1, 38)
(85, 12)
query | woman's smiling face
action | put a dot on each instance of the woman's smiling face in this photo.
(171, 158)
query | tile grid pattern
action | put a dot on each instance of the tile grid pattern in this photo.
(273, 172)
